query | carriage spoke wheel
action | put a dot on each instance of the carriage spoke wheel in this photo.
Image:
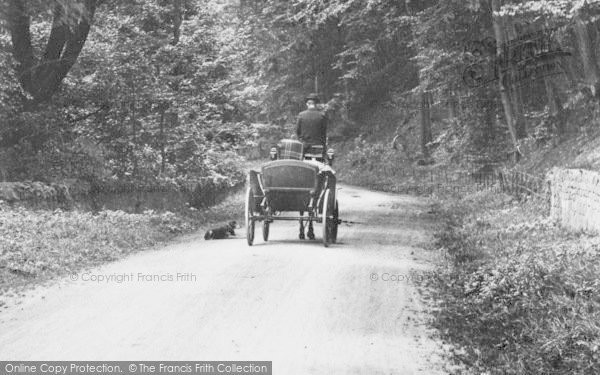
(334, 224)
(265, 228)
(249, 216)
(326, 220)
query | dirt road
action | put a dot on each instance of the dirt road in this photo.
(352, 308)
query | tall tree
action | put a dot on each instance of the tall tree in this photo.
(587, 46)
(426, 135)
(503, 79)
(71, 21)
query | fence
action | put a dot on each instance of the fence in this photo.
(571, 196)
(521, 184)
(427, 181)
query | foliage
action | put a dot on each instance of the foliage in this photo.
(367, 164)
(331, 47)
(166, 93)
(526, 300)
(37, 245)
(41, 73)
(158, 84)
(149, 99)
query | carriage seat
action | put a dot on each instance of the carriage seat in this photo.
(290, 175)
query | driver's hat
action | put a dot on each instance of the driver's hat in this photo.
(312, 96)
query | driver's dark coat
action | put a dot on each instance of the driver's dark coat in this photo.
(311, 127)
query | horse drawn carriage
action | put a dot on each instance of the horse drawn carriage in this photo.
(294, 181)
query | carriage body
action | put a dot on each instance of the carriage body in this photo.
(292, 185)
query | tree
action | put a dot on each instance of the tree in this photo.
(357, 49)
(71, 22)
(583, 29)
(426, 135)
(507, 103)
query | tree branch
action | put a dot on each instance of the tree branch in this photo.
(103, 107)
(64, 45)
(58, 35)
(18, 25)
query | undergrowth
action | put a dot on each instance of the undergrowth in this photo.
(37, 245)
(515, 293)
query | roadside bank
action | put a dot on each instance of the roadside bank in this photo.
(514, 293)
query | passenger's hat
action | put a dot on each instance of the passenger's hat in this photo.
(312, 96)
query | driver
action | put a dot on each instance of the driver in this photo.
(311, 127)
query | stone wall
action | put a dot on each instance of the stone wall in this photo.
(575, 198)
(116, 196)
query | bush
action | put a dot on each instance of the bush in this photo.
(517, 294)
(361, 163)
(36, 245)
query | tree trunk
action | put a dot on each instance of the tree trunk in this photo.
(177, 21)
(453, 105)
(555, 106)
(162, 141)
(134, 142)
(426, 135)
(490, 118)
(553, 100)
(502, 79)
(41, 79)
(588, 54)
(516, 91)
(134, 128)
(519, 110)
(18, 24)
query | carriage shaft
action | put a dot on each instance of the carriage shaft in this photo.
(289, 218)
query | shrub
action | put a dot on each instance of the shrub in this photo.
(36, 245)
(528, 301)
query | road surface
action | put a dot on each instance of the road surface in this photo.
(352, 308)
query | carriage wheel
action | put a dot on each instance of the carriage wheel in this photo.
(249, 216)
(266, 225)
(326, 222)
(334, 224)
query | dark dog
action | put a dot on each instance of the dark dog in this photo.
(221, 232)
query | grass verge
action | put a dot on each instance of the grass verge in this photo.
(514, 293)
(39, 245)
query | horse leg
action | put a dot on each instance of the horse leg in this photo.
(311, 233)
(301, 235)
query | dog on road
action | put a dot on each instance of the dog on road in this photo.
(222, 232)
